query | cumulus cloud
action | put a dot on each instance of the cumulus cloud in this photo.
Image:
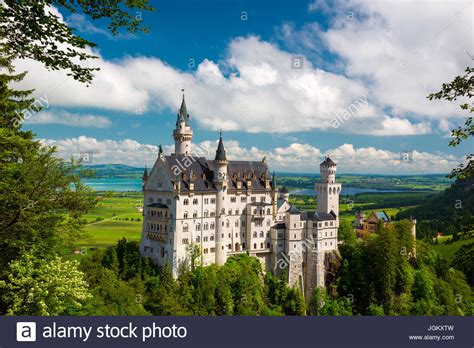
(69, 119)
(296, 157)
(395, 54)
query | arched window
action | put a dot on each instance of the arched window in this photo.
(198, 227)
(268, 211)
(212, 237)
(261, 245)
(255, 212)
(262, 234)
(206, 226)
(198, 239)
(237, 247)
(195, 201)
(212, 225)
(268, 244)
(206, 213)
(236, 223)
(186, 202)
(185, 228)
(255, 245)
(223, 210)
(227, 223)
(255, 234)
(195, 214)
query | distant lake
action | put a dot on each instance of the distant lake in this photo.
(125, 184)
(114, 184)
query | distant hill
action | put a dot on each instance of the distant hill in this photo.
(115, 171)
(450, 211)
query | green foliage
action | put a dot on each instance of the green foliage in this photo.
(382, 277)
(43, 287)
(464, 261)
(460, 87)
(31, 29)
(346, 232)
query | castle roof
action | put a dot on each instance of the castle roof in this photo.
(183, 115)
(328, 162)
(203, 169)
(220, 152)
(325, 216)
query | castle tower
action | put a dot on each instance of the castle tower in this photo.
(183, 133)
(220, 180)
(327, 189)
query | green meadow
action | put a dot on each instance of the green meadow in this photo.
(116, 215)
(447, 249)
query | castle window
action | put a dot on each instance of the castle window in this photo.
(236, 211)
(255, 234)
(198, 227)
(185, 228)
(150, 200)
(213, 201)
(326, 243)
(330, 223)
(294, 236)
(185, 215)
(198, 239)
(206, 226)
(195, 214)
(229, 246)
(206, 213)
(230, 235)
(213, 250)
(268, 222)
(237, 248)
(268, 211)
(212, 225)
(212, 237)
(243, 199)
(186, 202)
(255, 245)
(233, 199)
(206, 250)
(185, 241)
(243, 234)
(243, 246)
(206, 200)
(261, 245)
(255, 212)
(213, 213)
(227, 223)
(325, 234)
(195, 201)
(254, 199)
(206, 238)
(262, 199)
(268, 234)
(268, 245)
(243, 223)
(325, 223)
(320, 224)
(236, 223)
(262, 234)
(162, 252)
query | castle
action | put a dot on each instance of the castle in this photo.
(232, 207)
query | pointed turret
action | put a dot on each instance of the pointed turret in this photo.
(220, 152)
(144, 178)
(182, 134)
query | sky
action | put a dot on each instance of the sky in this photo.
(292, 81)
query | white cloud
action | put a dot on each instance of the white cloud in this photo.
(69, 119)
(393, 53)
(293, 158)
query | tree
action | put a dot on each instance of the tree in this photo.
(32, 29)
(460, 87)
(346, 232)
(43, 287)
(464, 261)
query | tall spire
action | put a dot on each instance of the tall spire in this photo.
(183, 112)
(145, 174)
(220, 153)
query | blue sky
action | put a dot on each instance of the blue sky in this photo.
(234, 58)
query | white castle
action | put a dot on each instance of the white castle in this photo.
(233, 207)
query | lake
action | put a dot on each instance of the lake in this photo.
(125, 184)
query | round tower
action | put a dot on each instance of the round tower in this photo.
(182, 134)
(220, 181)
(327, 190)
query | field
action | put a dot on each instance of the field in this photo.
(448, 250)
(116, 216)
